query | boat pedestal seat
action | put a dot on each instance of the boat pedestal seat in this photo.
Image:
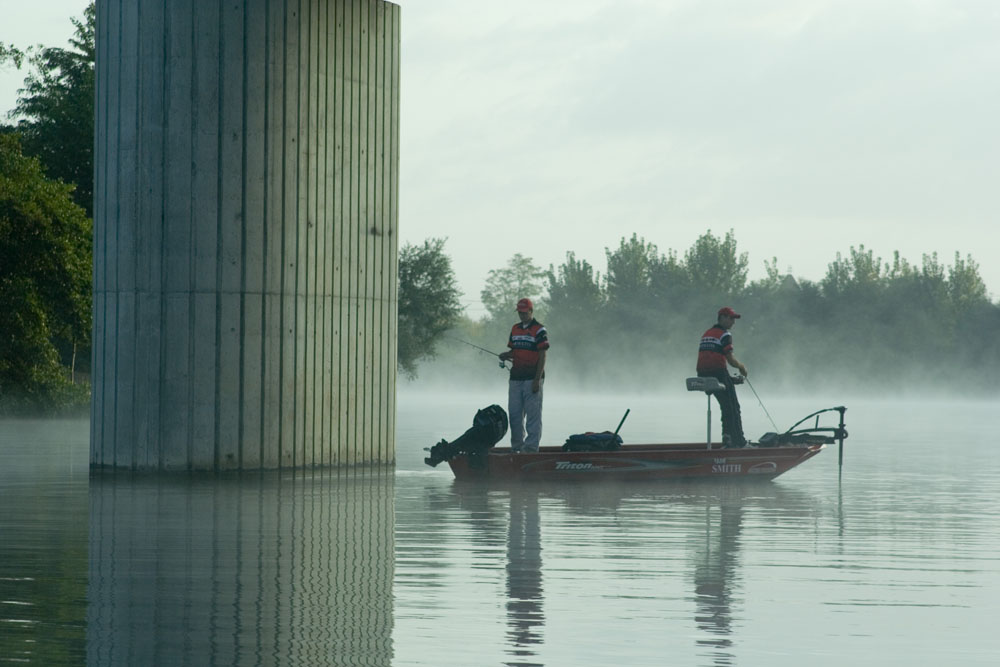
(709, 385)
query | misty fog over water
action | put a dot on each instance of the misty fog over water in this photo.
(894, 564)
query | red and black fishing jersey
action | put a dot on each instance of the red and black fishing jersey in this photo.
(716, 343)
(527, 341)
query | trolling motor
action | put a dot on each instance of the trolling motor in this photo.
(488, 427)
(816, 435)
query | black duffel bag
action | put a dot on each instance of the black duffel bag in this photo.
(605, 441)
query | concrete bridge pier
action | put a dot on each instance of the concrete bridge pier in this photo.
(245, 233)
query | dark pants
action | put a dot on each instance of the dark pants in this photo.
(732, 422)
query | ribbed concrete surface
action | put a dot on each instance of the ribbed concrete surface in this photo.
(245, 233)
(278, 570)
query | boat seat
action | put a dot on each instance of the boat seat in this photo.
(708, 385)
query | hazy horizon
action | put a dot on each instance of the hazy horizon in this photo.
(805, 126)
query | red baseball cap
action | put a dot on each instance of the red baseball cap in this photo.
(730, 312)
(525, 305)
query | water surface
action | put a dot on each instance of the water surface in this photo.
(895, 563)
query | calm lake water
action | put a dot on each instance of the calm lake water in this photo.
(896, 563)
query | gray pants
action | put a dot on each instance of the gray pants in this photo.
(524, 408)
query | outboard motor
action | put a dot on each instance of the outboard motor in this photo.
(488, 427)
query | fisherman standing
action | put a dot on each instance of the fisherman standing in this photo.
(528, 343)
(714, 352)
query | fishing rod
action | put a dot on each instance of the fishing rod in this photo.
(747, 380)
(481, 349)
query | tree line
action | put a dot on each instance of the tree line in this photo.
(868, 324)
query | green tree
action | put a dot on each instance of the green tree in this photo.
(630, 266)
(518, 279)
(428, 302)
(574, 291)
(966, 288)
(854, 298)
(860, 274)
(715, 269)
(56, 107)
(641, 286)
(45, 282)
(913, 310)
(11, 54)
(574, 301)
(669, 280)
(632, 302)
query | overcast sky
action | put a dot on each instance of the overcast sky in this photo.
(806, 126)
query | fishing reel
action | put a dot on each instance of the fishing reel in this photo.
(737, 379)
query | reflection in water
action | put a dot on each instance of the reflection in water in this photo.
(507, 516)
(714, 538)
(43, 593)
(43, 545)
(525, 616)
(636, 530)
(249, 570)
(715, 573)
(296, 569)
(717, 568)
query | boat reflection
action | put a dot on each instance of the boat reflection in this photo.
(509, 516)
(252, 569)
(707, 523)
(716, 576)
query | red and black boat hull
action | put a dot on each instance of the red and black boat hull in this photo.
(633, 462)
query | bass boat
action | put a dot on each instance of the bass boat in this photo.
(603, 456)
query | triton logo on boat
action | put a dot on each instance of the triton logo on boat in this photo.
(720, 465)
(568, 465)
(764, 468)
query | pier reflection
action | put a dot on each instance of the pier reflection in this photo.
(295, 568)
